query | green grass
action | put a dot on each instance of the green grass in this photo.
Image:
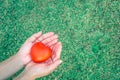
(88, 29)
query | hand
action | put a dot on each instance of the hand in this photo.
(24, 52)
(34, 70)
(42, 69)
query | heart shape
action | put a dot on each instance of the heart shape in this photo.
(40, 52)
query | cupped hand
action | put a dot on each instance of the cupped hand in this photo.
(24, 52)
(35, 70)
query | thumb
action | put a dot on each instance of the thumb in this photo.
(54, 65)
(57, 51)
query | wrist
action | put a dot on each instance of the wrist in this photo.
(25, 59)
(10, 66)
(18, 58)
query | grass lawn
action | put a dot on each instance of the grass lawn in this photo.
(88, 29)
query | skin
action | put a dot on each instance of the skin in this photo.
(22, 58)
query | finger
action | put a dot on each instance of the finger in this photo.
(53, 49)
(53, 46)
(45, 36)
(57, 51)
(34, 36)
(50, 44)
(49, 39)
(51, 59)
(54, 65)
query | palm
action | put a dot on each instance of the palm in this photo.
(48, 38)
(48, 66)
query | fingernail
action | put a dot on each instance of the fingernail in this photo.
(60, 43)
(51, 32)
(56, 35)
(61, 61)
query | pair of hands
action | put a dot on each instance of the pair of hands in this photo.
(40, 69)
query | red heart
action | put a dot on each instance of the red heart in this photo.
(40, 52)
